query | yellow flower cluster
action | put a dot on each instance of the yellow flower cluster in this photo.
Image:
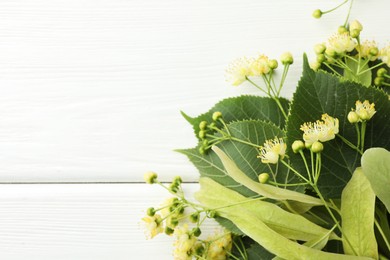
(322, 131)
(385, 55)
(184, 244)
(364, 110)
(272, 150)
(153, 225)
(340, 44)
(219, 246)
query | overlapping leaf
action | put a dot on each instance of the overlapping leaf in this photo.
(321, 92)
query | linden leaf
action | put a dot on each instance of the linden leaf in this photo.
(376, 167)
(357, 216)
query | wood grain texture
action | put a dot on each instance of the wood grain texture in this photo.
(91, 91)
(80, 222)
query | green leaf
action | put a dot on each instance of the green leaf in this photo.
(364, 78)
(256, 252)
(357, 216)
(320, 92)
(245, 156)
(243, 108)
(250, 222)
(265, 190)
(376, 167)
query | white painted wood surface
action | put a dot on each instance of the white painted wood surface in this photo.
(90, 91)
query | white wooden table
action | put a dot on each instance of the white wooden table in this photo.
(90, 94)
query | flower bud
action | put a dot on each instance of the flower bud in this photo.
(199, 249)
(354, 33)
(196, 231)
(263, 177)
(317, 147)
(203, 125)
(150, 212)
(381, 72)
(202, 134)
(273, 64)
(374, 52)
(363, 114)
(201, 150)
(331, 53)
(286, 58)
(315, 65)
(217, 115)
(297, 146)
(321, 58)
(378, 81)
(168, 231)
(319, 48)
(355, 25)
(342, 30)
(353, 117)
(317, 14)
(194, 217)
(150, 177)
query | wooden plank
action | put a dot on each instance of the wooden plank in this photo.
(90, 221)
(91, 90)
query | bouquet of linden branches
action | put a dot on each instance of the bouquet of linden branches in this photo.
(307, 178)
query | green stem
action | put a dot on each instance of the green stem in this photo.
(333, 70)
(295, 171)
(257, 86)
(280, 106)
(244, 142)
(358, 134)
(373, 67)
(306, 166)
(363, 135)
(382, 234)
(284, 75)
(335, 8)
(349, 12)
(349, 144)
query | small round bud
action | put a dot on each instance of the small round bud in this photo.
(273, 64)
(203, 125)
(355, 25)
(353, 117)
(151, 212)
(315, 65)
(374, 52)
(217, 115)
(263, 177)
(174, 187)
(317, 147)
(378, 81)
(194, 217)
(212, 214)
(317, 14)
(201, 150)
(321, 58)
(297, 146)
(342, 29)
(331, 53)
(287, 58)
(169, 231)
(212, 125)
(177, 180)
(319, 48)
(308, 145)
(199, 249)
(363, 114)
(205, 143)
(196, 231)
(150, 177)
(202, 134)
(354, 33)
(381, 72)
(172, 222)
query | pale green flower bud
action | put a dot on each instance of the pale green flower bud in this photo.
(315, 65)
(378, 81)
(331, 53)
(364, 115)
(263, 177)
(177, 180)
(342, 30)
(202, 134)
(297, 146)
(317, 147)
(319, 48)
(374, 51)
(194, 217)
(196, 231)
(381, 72)
(203, 125)
(353, 117)
(217, 115)
(321, 58)
(354, 33)
(151, 212)
(287, 58)
(150, 177)
(355, 25)
(201, 150)
(273, 64)
(317, 14)
(168, 231)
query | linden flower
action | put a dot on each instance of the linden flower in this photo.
(260, 66)
(271, 150)
(184, 243)
(367, 49)
(385, 55)
(320, 130)
(219, 247)
(365, 110)
(153, 225)
(341, 43)
(239, 70)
